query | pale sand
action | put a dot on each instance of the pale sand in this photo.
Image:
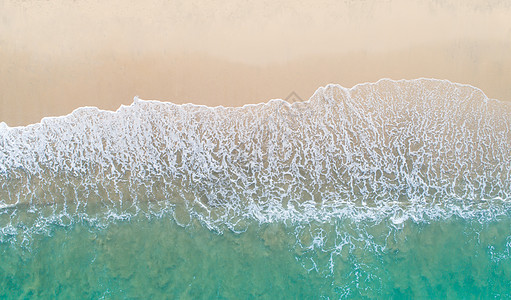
(56, 56)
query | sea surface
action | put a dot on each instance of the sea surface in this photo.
(394, 189)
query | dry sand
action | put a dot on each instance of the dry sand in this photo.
(56, 56)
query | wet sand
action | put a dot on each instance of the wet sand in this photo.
(60, 55)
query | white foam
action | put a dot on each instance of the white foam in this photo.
(404, 150)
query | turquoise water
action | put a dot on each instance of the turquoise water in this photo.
(395, 189)
(159, 259)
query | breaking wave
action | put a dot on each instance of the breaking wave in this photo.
(414, 150)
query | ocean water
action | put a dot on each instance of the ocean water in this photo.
(394, 189)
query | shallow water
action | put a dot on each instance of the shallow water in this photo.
(157, 258)
(392, 189)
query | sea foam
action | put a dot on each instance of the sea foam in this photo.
(398, 150)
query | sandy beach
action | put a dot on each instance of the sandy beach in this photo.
(57, 56)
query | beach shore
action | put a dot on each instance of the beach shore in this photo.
(61, 55)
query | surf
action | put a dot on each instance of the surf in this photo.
(418, 150)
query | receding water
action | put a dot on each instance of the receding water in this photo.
(386, 190)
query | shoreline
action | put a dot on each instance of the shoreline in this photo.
(4, 125)
(33, 89)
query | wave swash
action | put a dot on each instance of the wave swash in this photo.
(391, 151)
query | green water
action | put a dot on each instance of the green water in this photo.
(155, 258)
